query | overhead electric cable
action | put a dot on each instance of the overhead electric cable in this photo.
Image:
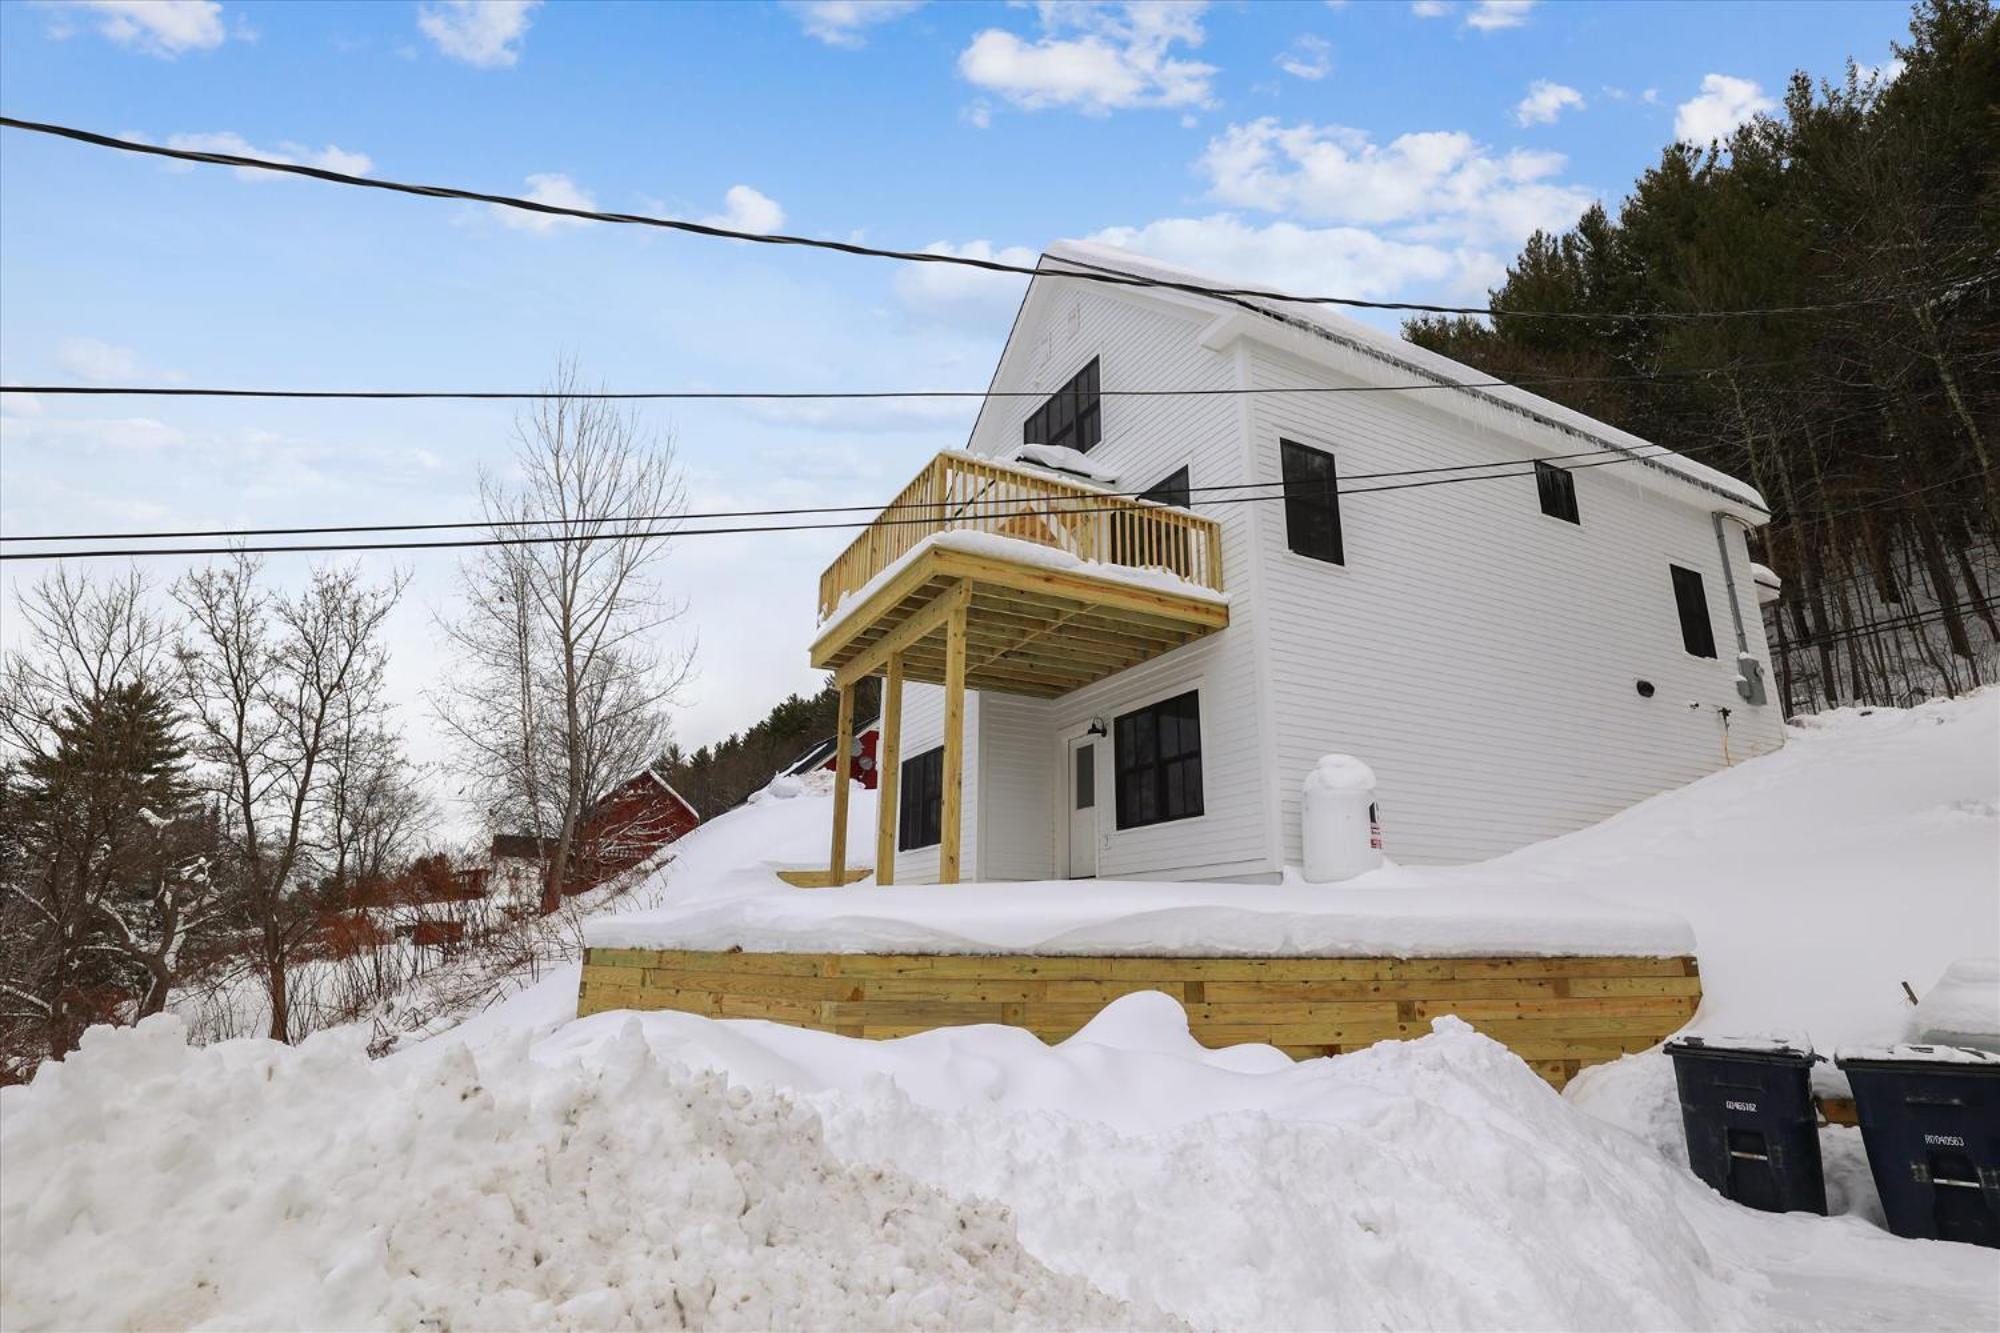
(974, 505)
(838, 395)
(878, 252)
(675, 533)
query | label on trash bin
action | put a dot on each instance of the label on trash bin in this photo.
(1944, 1140)
(1751, 1107)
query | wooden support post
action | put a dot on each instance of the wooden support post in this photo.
(888, 772)
(954, 742)
(843, 765)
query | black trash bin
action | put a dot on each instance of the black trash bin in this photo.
(1930, 1118)
(1752, 1131)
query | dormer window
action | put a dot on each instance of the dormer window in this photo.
(1069, 419)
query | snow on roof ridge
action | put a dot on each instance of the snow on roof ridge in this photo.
(1419, 360)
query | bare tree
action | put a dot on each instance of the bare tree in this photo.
(562, 683)
(268, 681)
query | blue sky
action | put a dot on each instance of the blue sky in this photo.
(1384, 150)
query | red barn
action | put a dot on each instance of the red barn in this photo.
(623, 828)
(631, 822)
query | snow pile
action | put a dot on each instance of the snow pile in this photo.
(1019, 551)
(1060, 458)
(251, 1185)
(1434, 1183)
(1154, 919)
(1964, 1007)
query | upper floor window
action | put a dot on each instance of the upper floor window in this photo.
(920, 806)
(1312, 502)
(1697, 634)
(1070, 418)
(1159, 761)
(1558, 491)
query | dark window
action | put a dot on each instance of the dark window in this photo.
(1697, 635)
(1070, 418)
(1558, 489)
(920, 808)
(1134, 541)
(1312, 502)
(1159, 762)
(1086, 776)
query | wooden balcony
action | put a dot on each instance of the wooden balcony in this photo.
(1084, 584)
(992, 576)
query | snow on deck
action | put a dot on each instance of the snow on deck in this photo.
(1020, 551)
(1121, 918)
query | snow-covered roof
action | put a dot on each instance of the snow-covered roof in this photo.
(1326, 322)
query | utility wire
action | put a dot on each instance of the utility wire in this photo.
(977, 506)
(876, 252)
(812, 395)
(673, 533)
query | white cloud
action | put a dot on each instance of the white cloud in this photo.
(1881, 75)
(95, 361)
(329, 158)
(1723, 103)
(485, 33)
(1429, 9)
(163, 28)
(951, 293)
(1353, 261)
(1308, 57)
(1545, 101)
(547, 187)
(1492, 15)
(1431, 185)
(78, 435)
(1095, 58)
(845, 22)
(747, 209)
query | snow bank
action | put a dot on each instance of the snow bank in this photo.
(1964, 1006)
(1435, 1183)
(251, 1185)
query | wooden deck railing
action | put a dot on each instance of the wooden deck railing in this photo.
(957, 492)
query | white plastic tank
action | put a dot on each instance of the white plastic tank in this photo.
(1341, 833)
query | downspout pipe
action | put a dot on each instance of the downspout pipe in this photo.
(1749, 671)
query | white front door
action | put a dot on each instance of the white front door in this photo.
(1083, 807)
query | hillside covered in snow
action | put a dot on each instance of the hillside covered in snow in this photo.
(530, 1170)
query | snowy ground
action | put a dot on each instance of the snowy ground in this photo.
(533, 1170)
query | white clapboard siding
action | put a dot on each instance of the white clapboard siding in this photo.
(1016, 835)
(1142, 341)
(1481, 656)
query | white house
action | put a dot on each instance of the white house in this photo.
(1523, 620)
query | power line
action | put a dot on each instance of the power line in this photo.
(975, 505)
(834, 395)
(658, 534)
(877, 252)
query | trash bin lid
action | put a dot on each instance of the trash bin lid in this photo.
(1762, 1050)
(1930, 1058)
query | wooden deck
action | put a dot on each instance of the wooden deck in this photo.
(1129, 580)
(1032, 629)
(1559, 1014)
(1029, 630)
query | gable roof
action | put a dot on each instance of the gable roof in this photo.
(1324, 322)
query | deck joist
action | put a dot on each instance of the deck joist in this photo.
(1030, 630)
(1558, 1014)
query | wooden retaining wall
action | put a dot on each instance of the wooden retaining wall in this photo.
(1558, 1014)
